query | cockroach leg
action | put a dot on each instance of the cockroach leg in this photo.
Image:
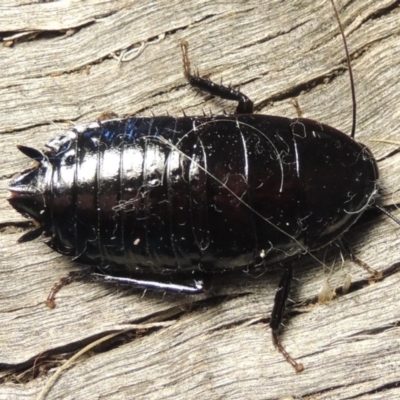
(344, 246)
(72, 277)
(281, 296)
(197, 287)
(296, 105)
(245, 105)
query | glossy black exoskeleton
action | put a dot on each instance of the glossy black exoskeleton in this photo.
(160, 202)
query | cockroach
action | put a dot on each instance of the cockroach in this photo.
(162, 202)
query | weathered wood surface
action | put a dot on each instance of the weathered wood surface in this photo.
(221, 349)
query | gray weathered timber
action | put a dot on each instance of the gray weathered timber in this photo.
(275, 51)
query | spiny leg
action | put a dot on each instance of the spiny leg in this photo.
(196, 287)
(281, 296)
(346, 250)
(245, 105)
(73, 276)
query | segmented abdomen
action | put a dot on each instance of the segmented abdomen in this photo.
(168, 193)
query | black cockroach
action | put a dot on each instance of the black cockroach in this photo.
(159, 202)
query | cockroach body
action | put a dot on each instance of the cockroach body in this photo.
(161, 202)
(171, 196)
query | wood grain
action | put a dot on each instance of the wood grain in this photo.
(215, 346)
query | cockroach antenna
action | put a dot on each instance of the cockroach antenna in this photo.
(388, 213)
(353, 91)
(353, 96)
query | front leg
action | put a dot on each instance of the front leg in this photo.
(245, 105)
(196, 286)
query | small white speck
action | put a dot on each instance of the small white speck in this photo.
(92, 125)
